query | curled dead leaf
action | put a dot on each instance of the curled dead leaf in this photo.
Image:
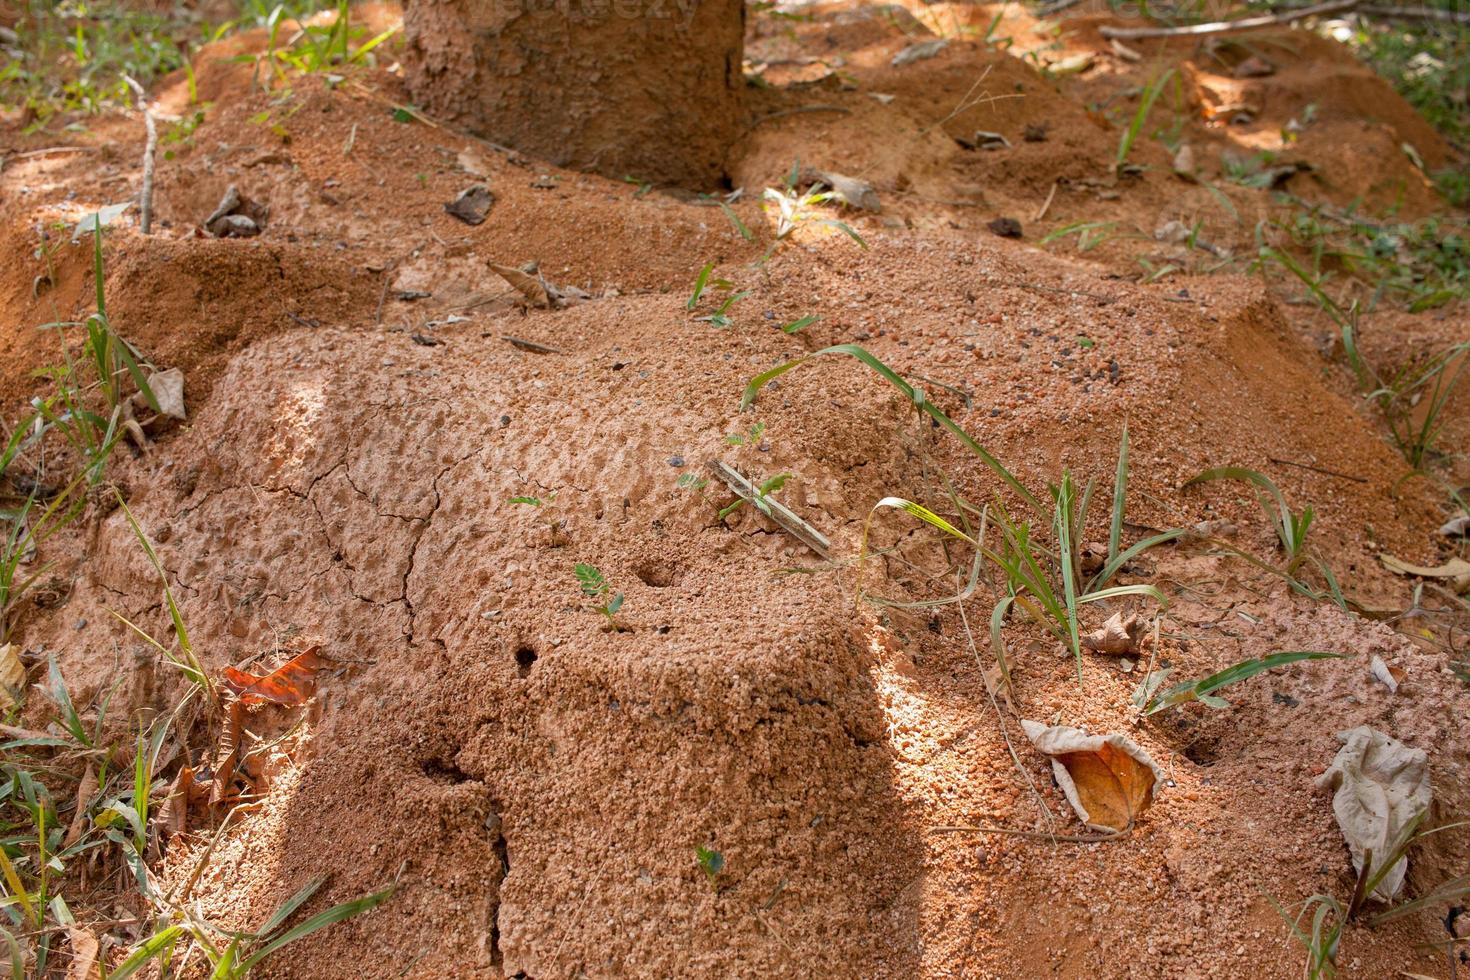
(168, 390)
(1108, 779)
(528, 285)
(1117, 636)
(1389, 676)
(1380, 788)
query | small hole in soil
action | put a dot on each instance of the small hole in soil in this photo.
(1202, 753)
(444, 771)
(525, 659)
(658, 575)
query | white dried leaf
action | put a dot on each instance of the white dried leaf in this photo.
(1380, 786)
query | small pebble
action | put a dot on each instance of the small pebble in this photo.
(81, 624)
(676, 460)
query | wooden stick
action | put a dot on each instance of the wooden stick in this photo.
(1317, 469)
(529, 345)
(1227, 26)
(145, 221)
(1041, 213)
(776, 511)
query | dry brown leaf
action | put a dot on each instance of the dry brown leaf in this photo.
(229, 743)
(85, 792)
(1457, 570)
(84, 950)
(1108, 779)
(1380, 786)
(168, 391)
(528, 285)
(175, 813)
(1118, 636)
(852, 191)
(12, 677)
(294, 682)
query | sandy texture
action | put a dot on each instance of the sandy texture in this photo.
(536, 784)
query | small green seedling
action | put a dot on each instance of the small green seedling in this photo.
(1149, 701)
(720, 317)
(767, 486)
(711, 862)
(532, 501)
(750, 437)
(800, 324)
(594, 586)
(700, 281)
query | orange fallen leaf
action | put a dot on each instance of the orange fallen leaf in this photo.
(1107, 779)
(291, 683)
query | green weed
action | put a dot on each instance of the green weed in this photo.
(1291, 526)
(1046, 582)
(1090, 234)
(794, 208)
(1329, 917)
(1135, 126)
(74, 56)
(1149, 699)
(594, 586)
(710, 861)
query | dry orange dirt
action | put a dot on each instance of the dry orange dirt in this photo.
(536, 785)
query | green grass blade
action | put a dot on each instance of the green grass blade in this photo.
(745, 232)
(1192, 690)
(331, 916)
(291, 904)
(1104, 576)
(752, 390)
(1120, 492)
(154, 946)
(1118, 591)
(1064, 517)
(997, 643)
(699, 283)
(1286, 524)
